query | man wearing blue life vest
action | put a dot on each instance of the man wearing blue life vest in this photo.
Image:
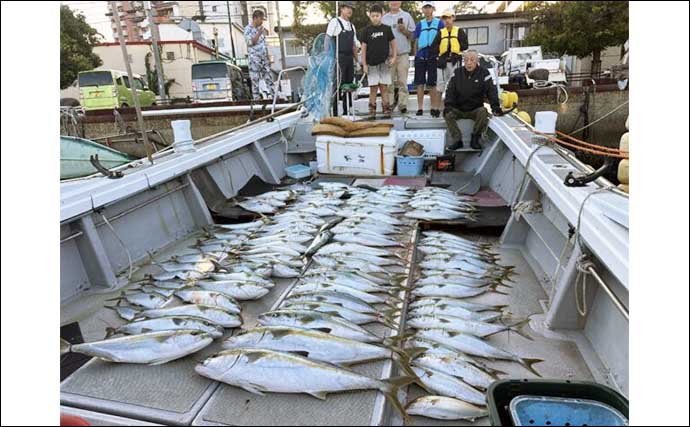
(425, 59)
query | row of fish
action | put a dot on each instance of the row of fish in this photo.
(356, 264)
(426, 204)
(453, 330)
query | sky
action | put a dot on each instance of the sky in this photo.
(95, 11)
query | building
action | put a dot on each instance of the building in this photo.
(494, 33)
(132, 20)
(178, 57)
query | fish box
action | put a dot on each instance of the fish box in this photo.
(433, 140)
(368, 156)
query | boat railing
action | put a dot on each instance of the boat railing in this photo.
(280, 74)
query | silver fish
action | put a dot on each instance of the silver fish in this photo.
(215, 315)
(445, 408)
(447, 385)
(152, 348)
(320, 321)
(455, 366)
(170, 323)
(247, 368)
(209, 298)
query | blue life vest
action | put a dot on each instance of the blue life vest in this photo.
(428, 33)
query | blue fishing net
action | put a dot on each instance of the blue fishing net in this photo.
(319, 80)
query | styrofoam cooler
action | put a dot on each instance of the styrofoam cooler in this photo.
(433, 140)
(367, 156)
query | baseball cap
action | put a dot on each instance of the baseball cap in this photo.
(448, 14)
(428, 3)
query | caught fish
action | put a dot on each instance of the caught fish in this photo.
(320, 240)
(353, 316)
(151, 348)
(209, 298)
(216, 315)
(319, 321)
(474, 346)
(447, 385)
(445, 408)
(455, 366)
(247, 368)
(241, 291)
(170, 323)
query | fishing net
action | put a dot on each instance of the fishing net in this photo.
(318, 82)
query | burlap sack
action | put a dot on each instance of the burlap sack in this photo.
(371, 131)
(327, 129)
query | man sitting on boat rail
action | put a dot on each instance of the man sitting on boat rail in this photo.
(465, 95)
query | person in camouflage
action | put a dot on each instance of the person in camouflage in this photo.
(259, 65)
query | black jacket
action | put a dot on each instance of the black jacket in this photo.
(467, 92)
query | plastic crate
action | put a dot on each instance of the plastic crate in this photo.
(502, 393)
(298, 171)
(409, 165)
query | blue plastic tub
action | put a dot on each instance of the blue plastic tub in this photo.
(410, 165)
(298, 171)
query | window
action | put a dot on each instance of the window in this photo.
(138, 84)
(125, 79)
(294, 48)
(477, 35)
(95, 78)
(214, 8)
(170, 56)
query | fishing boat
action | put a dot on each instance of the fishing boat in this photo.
(75, 155)
(569, 246)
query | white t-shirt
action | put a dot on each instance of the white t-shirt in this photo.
(334, 28)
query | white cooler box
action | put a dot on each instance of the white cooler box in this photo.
(369, 156)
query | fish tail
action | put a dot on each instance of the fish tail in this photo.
(519, 328)
(390, 388)
(493, 289)
(65, 347)
(403, 358)
(529, 363)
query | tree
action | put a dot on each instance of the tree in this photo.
(307, 33)
(579, 28)
(465, 8)
(77, 39)
(152, 77)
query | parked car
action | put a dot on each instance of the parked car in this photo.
(217, 81)
(107, 89)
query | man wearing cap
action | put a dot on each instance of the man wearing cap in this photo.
(343, 30)
(425, 59)
(465, 96)
(403, 27)
(450, 42)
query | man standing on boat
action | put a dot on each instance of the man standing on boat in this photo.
(343, 30)
(259, 64)
(403, 26)
(450, 42)
(425, 59)
(467, 89)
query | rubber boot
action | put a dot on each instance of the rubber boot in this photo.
(457, 146)
(474, 143)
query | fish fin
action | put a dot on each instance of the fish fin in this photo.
(390, 389)
(65, 347)
(403, 359)
(387, 321)
(529, 363)
(253, 388)
(300, 353)
(397, 339)
(321, 395)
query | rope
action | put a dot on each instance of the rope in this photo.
(129, 256)
(544, 84)
(526, 207)
(600, 118)
(587, 144)
(578, 238)
(524, 176)
(583, 266)
(584, 149)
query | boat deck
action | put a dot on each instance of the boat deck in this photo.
(173, 394)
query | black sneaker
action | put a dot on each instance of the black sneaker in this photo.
(454, 147)
(435, 113)
(403, 110)
(420, 112)
(474, 143)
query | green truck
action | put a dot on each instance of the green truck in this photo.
(107, 89)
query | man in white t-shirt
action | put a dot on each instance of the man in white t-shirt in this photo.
(403, 26)
(342, 28)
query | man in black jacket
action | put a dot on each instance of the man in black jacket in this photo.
(465, 96)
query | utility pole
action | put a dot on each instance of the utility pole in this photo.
(156, 52)
(280, 38)
(215, 40)
(130, 76)
(232, 40)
